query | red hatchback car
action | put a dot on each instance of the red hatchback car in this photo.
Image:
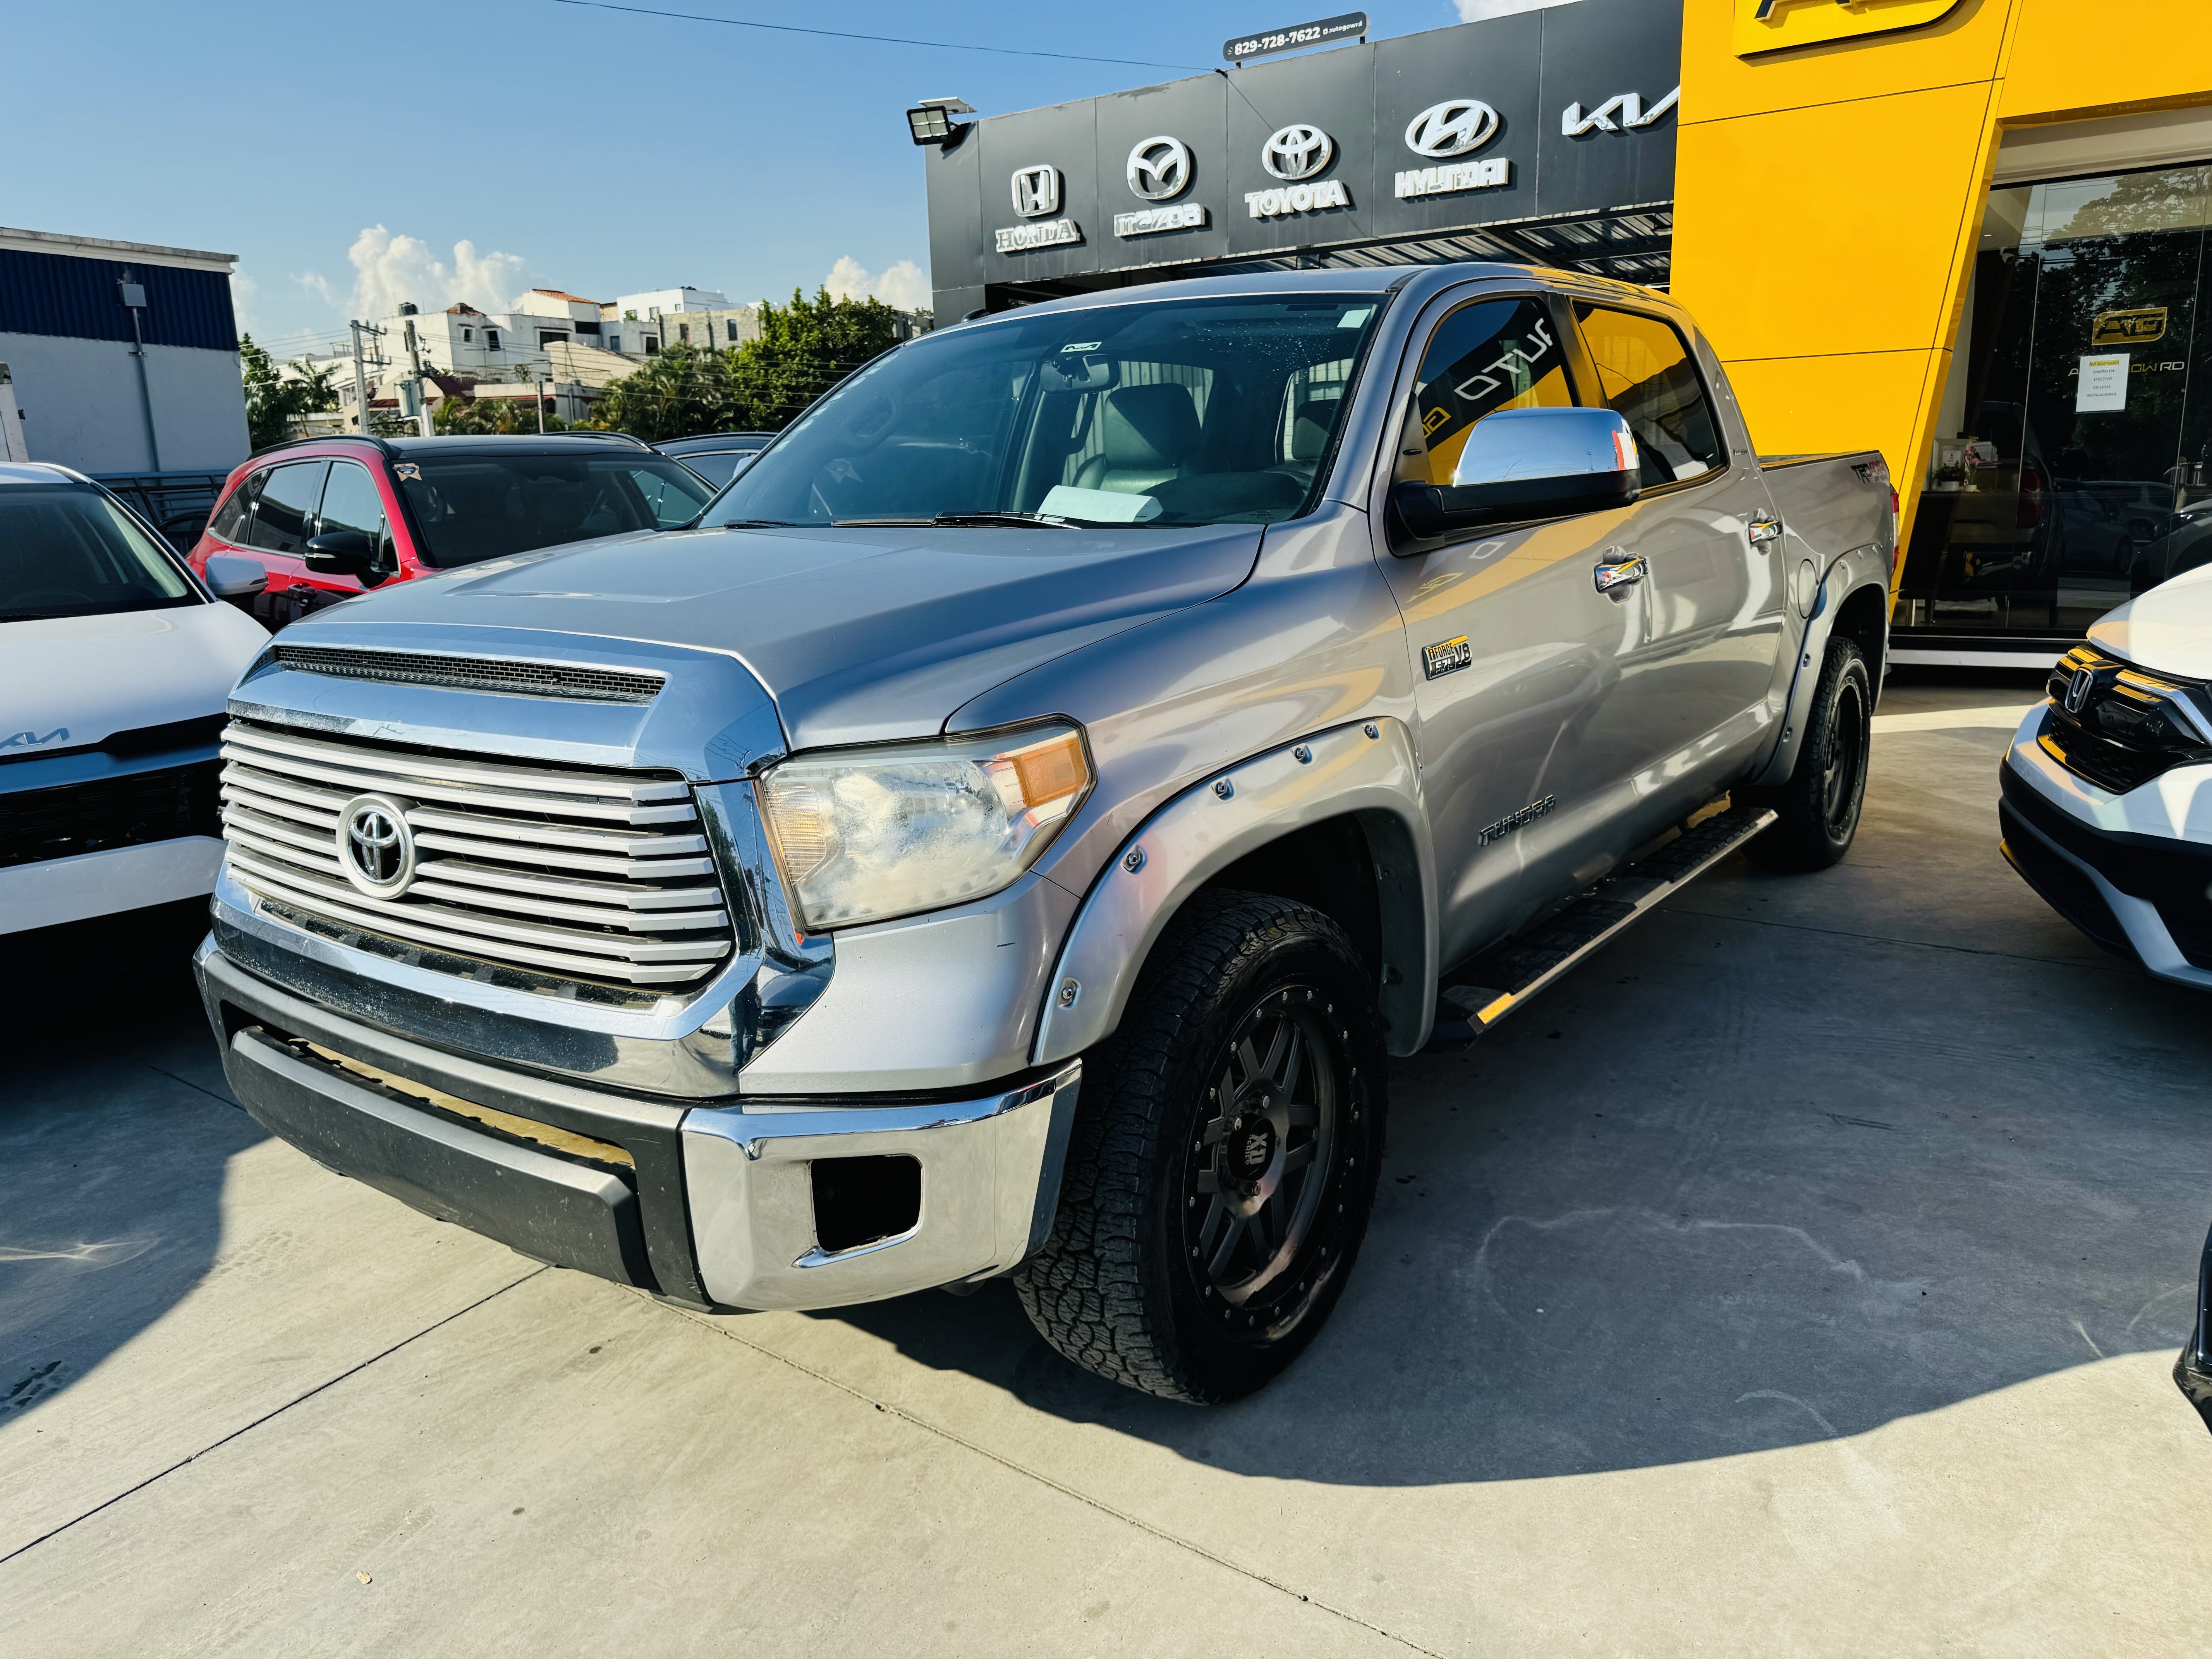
(333, 517)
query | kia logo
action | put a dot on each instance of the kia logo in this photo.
(376, 850)
(1296, 151)
(1159, 168)
(1036, 191)
(1452, 128)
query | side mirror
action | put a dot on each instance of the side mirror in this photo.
(1528, 464)
(229, 578)
(341, 553)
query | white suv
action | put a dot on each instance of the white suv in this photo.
(114, 664)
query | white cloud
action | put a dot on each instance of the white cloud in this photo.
(388, 268)
(903, 285)
(1473, 11)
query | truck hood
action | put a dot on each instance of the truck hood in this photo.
(2167, 630)
(858, 634)
(71, 681)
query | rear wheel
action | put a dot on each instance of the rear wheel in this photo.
(1225, 1157)
(1817, 809)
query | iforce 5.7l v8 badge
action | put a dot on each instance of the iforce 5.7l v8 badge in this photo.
(1448, 658)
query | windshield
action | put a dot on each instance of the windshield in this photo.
(69, 552)
(1174, 412)
(473, 507)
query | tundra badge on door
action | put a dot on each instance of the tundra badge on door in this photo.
(1438, 660)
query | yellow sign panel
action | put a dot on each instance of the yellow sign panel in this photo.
(2137, 327)
(1775, 25)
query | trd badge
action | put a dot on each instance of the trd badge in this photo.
(1448, 658)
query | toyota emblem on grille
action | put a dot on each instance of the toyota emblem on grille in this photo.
(1451, 128)
(376, 850)
(1298, 151)
(2077, 689)
(1159, 168)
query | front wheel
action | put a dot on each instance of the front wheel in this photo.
(1817, 809)
(1225, 1157)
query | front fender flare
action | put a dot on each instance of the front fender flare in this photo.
(1366, 770)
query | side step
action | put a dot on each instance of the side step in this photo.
(1484, 989)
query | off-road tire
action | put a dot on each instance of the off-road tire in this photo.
(1115, 1288)
(1820, 804)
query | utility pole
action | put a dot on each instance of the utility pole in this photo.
(132, 293)
(360, 376)
(422, 410)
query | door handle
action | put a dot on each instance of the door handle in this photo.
(1765, 530)
(1614, 574)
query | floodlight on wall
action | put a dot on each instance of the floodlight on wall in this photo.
(931, 121)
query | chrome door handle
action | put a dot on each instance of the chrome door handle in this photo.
(1764, 528)
(1615, 574)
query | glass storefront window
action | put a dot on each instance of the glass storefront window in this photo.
(2070, 466)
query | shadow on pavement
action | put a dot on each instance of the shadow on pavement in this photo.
(115, 1133)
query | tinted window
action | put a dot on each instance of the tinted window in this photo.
(71, 552)
(232, 520)
(717, 467)
(284, 519)
(1160, 412)
(1646, 377)
(350, 502)
(472, 507)
(1493, 355)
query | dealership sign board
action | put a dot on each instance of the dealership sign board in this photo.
(1563, 112)
(1777, 24)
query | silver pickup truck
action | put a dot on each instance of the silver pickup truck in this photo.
(1010, 832)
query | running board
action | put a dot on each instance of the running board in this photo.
(1487, 987)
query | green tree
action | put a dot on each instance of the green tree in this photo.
(679, 392)
(490, 416)
(271, 399)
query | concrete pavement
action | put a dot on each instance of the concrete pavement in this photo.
(1801, 1275)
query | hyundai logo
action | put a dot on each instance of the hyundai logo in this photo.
(1452, 128)
(2078, 688)
(1036, 191)
(1159, 168)
(1296, 151)
(376, 850)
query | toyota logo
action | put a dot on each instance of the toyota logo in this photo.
(376, 850)
(1036, 191)
(1160, 169)
(1452, 128)
(1296, 151)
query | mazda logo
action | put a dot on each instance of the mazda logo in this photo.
(1036, 191)
(376, 850)
(1452, 128)
(1159, 168)
(1296, 151)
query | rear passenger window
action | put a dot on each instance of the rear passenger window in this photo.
(284, 521)
(1493, 355)
(234, 518)
(1645, 375)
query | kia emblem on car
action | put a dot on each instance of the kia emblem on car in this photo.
(1159, 168)
(1452, 128)
(1298, 151)
(1036, 191)
(376, 850)
(2077, 689)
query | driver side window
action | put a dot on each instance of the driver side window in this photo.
(1486, 355)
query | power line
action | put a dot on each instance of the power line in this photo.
(879, 40)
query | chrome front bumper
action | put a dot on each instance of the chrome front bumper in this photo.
(714, 1207)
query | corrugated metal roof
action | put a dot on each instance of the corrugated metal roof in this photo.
(58, 293)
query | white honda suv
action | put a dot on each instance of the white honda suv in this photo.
(115, 661)
(2107, 788)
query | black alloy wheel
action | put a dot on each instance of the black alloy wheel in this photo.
(1817, 809)
(1223, 1166)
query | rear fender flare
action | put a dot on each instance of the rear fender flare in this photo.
(1859, 577)
(1345, 771)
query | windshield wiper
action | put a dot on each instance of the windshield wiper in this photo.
(1009, 517)
(752, 524)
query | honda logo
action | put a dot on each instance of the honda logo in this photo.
(376, 850)
(1159, 168)
(1452, 128)
(1628, 106)
(1036, 191)
(1296, 151)
(2078, 689)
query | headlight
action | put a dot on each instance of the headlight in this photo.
(863, 834)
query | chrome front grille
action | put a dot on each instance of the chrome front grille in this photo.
(565, 871)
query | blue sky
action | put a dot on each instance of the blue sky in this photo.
(565, 146)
